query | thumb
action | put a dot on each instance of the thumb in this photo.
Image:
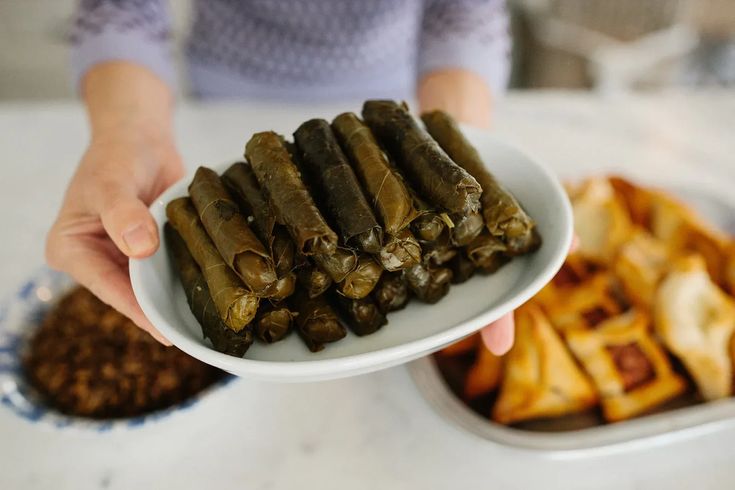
(128, 222)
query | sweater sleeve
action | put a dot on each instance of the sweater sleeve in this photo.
(122, 30)
(468, 34)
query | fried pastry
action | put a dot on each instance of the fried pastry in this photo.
(637, 200)
(630, 370)
(639, 266)
(484, 374)
(696, 320)
(584, 306)
(540, 377)
(600, 220)
(729, 270)
(684, 232)
(463, 346)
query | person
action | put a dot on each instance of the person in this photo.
(448, 54)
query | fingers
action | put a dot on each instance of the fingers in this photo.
(498, 336)
(128, 223)
(96, 268)
(575, 244)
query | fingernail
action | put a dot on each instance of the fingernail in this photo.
(138, 240)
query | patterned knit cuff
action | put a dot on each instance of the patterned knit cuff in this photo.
(490, 61)
(132, 46)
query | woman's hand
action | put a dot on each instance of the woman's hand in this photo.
(460, 93)
(466, 97)
(131, 159)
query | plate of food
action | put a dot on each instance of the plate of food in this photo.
(69, 361)
(630, 342)
(361, 244)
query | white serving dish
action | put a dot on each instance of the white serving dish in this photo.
(583, 435)
(411, 333)
(555, 437)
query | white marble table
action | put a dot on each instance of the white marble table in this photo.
(373, 431)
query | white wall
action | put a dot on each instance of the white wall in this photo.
(33, 49)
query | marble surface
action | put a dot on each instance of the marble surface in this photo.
(372, 431)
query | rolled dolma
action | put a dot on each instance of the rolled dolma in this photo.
(283, 287)
(283, 252)
(273, 323)
(240, 180)
(200, 301)
(230, 232)
(466, 228)
(444, 183)
(235, 304)
(289, 198)
(428, 284)
(362, 316)
(400, 251)
(487, 252)
(438, 255)
(430, 225)
(243, 185)
(462, 267)
(316, 321)
(504, 216)
(360, 282)
(327, 167)
(338, 265)
(313, 280)
(386, 190)
(391, 293)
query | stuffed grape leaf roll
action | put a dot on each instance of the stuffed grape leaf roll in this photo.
(327, 167)
(462, 267)
(242, 183)
(504, 216)
(289, 198)
(338, 265)
(487, 252)
(429, 284)
(313, 280)
(229, 231)
(235, 304)
(391, 293)
(360, 282)
(437, 178)
(466, 228)
(399, 251)
(362, 316)
(316, 321)
(273, 322)
(387, 192)
(200, 300)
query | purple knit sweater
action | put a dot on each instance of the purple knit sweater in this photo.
(301, 49)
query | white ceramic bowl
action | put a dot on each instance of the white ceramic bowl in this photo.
(417, 330)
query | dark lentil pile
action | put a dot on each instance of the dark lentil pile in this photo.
(88, 360)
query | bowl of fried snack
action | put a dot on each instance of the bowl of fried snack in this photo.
(70, 360)
(631, 340)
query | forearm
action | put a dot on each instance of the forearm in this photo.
(125, 98)
(461, 93)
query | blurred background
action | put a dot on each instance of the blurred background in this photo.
(600, 45)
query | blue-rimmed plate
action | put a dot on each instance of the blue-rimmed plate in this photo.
(19, 317)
